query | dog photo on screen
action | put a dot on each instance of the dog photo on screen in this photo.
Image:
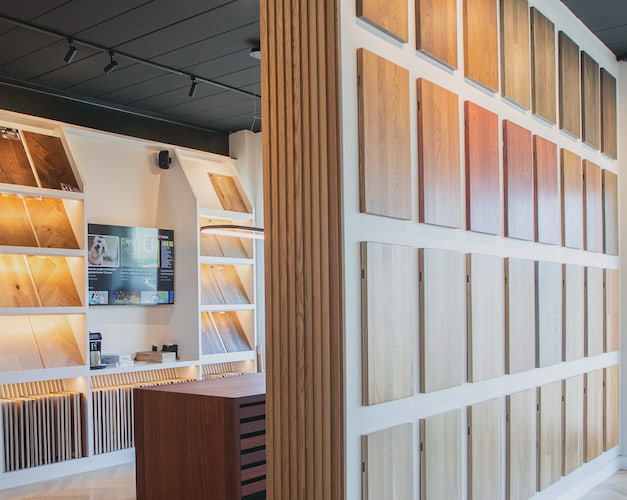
(104, 250)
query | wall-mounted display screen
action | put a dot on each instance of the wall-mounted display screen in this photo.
(130, 265)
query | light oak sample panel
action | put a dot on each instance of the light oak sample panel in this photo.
(442, 318)
(217, 245)
(16, 287)
(547, 192)
(231, 331)
(221, 284)
(440, 456)
(593, 201)
(590, 101)
(610, 213)
(608, 114)
(388, 460)
(484, 450)
(549, 434)
(486, 317)
(569, 88)
(612, 331)
(15, 223)
(593, 415)
(573, 424)
(51, 162)
(520, 314)
(384, 137)
(515, 52)
(439, 175)
(51, 223)
(18, 349)
(543, 97)
(389, 16)
(572, 200)
(595, 331)
(436, 30)
(518, 182)
(521, 444)
(574, 312)
(14, 165)
(483, 185)
(209, 289)
(210, 340)
(389, 322)
(549, 313)
(53, 280)
(229, 194)
(612, 407)
(481, 43)
(56, 341)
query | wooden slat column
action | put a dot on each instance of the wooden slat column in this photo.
(303, 248)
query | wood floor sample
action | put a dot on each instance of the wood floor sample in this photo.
(515, 52)
(481, 43)
(209, 246)
(593, 202)
(569, 88)
(484, 450)
(612, 308)
(521, 445)
(520, 314)
(51, 162)
(16, 228)
(612, 407)
(18, 350)
(590, 101)
(574, 312)
(543, 80)
(483, 189)
(440, 457)
(573, 424)
(209, 289)
(51, 223)
(593, 417)
(549, 434)
(518, 182)
(228, 193)
(16, 286)
(389, 321)
(438, 156)
(436, 30)
(232, 247)
(384, 137)
(209, 337)
(14, 165)
(388, 460)
(230, 285)
(547, 192)
(608, 114)
(549, 309)
(54, 282)
(610, 213)
(595, 333)
(231, 331)
(572, 200)
(390, 16)
(56, 341)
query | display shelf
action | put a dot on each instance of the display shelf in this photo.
(225, 260)
(32, 311)
(139, 366)
(52, 252)
(222, 214)
(26, 376)
(49, 193)
(227, 307)
(227, 357)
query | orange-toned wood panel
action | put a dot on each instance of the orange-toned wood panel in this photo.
(14, 221)
(515, 52)
(438, 155)
(436, 30)
(384, 137)
(590, 101)
(51, 162)
(546, 182)
(481, 43)
(608, 114)
(593, 416)
(610, 213)
(612, 407)
(14, 165)
(612, 335)
(572, 200)
(569, 90)
(229, 194)
(483, 189)
(51, 223)
(16, 287)
(518, 182)
(543, 96)
(593, 199)
(390, 16)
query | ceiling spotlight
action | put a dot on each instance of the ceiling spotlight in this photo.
(112, 64)
(71, 51)
(192, 89)
(255, 52)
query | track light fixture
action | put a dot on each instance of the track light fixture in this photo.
(71, 51)
(192, 89)
(112, 64)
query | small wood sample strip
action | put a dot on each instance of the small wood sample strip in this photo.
(16, 227)
(486, 317)
(590, 101)
(442, 318)
(515, 52)
(18, 350)
(50, 222)
(573, 424)
(572, 200)
(209, 246)
(229, 284)
(229, 194)
(439, 175)
(483, 185)
(56, 341)
(231, 331)
(521, 445)
(436, 30)
(384, 137)
(520, 314)
(593, 417)
(547, 192)
(16, 286)
(594, 311)
(574, 312)
(14, 165)
(518, 182)
(549, 310)
(209, 289)
(388, 460)
(608, 114)
(481, 43)
(543, 96)
(569, 90)
(232, 247)
(484, 450)
(610, 213)
(389, 16)
(51, 162)
(54, 282)
(612, 407)
(549, 434)
(210, 340)
(593, 200)
(389, 291)
(612, 335)
(440, 457)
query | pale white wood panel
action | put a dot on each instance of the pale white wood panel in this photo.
(521, 444)
(594, 311)
(612, 406)
(593, 416)
(612, 339)
(520, 312)
(573, 424)
(574, 312)
(549, 434)
(484, 450)
(549, 313)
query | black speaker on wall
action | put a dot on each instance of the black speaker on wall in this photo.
(164, 159)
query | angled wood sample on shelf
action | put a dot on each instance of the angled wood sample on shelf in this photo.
(612, 407)
(593, 444)
(384, 137)
(391, 17)
(14, 221)
(521, 455)
(515, 52)
(217, 245)
(543, 97)
(590, 101)
(569, 86)
(520, 315)
(574, 312)
(481, 43)
(573, 424)
(484, 450)
(549, 313)
(231, 331)
(210, 341)
(549, 434)
(51, 162)
(610, 212)
(209, 289)
(547, 192)
(572, 199)
(483, 185)
(436, 30)
(14, 165)
(18, 349)
(16, 286)
(593, 202)
(439, 176)
(50, 222)
(56, 341)
(54, 282)
(595, 331)
(608, 114)
(389, 291)
(612, 308)
(232, 247)
(229, 194)
(229, 284)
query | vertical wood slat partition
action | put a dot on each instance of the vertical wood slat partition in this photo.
(303, 267)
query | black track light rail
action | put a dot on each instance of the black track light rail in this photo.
(107, 50)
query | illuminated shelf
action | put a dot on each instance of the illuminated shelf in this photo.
(226, 260)
(227, 357)
(23, 376)
(142, 366)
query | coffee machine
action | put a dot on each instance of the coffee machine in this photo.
(95, 350)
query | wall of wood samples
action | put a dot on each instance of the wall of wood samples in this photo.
(512, 222)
